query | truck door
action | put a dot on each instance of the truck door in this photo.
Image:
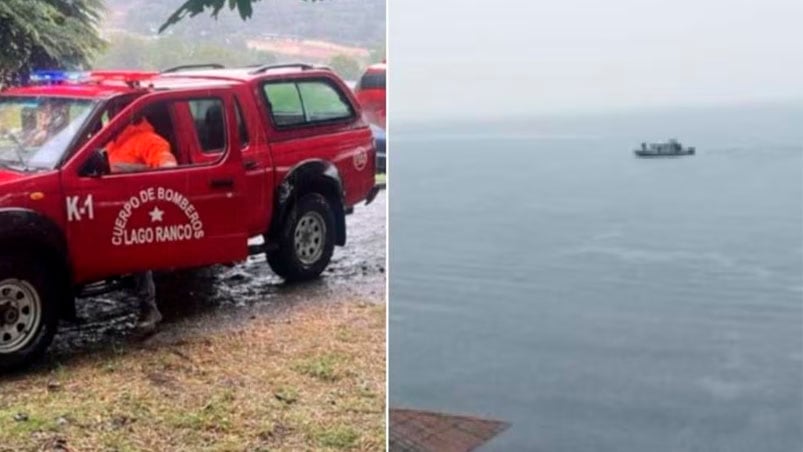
(254, 151)
(161, 218)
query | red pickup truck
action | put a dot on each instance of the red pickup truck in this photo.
(274, 151)
(370, 92)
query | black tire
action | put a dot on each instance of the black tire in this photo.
(292, 263)
(23, 341)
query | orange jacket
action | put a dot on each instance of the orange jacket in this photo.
(138, 143)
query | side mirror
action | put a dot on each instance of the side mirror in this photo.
(97, 165)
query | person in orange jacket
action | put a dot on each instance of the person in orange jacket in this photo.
(137, 148)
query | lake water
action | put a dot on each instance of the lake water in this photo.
(542, 275)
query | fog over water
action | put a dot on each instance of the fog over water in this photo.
(480, 59)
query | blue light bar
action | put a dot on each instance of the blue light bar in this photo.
(54, 77)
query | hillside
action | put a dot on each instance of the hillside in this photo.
(352, 22)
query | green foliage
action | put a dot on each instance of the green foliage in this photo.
(195, 7)
(379, 54)
(47, 34)
(337, 437)
(130, 52)
(345, 66)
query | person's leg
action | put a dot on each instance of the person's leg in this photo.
(146, 291)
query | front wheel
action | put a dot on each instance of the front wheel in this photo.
(307, 240)
(28, 318)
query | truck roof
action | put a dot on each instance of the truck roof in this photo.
(245, 74)
(105, 84)
(88, 91)
(377, 67)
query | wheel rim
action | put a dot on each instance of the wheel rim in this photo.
(310, 236)
(20, 314)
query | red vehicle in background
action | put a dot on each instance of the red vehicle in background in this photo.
(370, 91)
(277, 151)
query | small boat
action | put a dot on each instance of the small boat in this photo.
(668, 149)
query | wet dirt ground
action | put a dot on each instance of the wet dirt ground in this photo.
(209, 300)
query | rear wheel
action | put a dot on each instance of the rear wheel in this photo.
(307, 240)
(28, 317)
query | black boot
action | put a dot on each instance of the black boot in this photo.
(149, 316)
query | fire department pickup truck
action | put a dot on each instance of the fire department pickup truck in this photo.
(276, 151)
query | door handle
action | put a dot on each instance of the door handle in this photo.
(222, 183)
(251, 164)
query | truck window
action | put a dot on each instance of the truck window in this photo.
(306, 102)
(112, 108)
(208, 116)
(36, 132)
(242, 129)
(135, 147)
(285, 103)
(160, 118)
(372, 80)
(322, 102)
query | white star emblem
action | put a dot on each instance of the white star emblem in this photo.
(156, 214)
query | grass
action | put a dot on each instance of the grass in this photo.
(320, 367)
(311, 380)
(340, 437)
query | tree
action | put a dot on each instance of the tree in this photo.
(47, 34)
(378, 54)
(347, 67)
(195, 7)
(127, 51)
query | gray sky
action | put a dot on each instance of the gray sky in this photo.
(472, 58)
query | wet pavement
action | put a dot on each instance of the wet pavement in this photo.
(214, 298)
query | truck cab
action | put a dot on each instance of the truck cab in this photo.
(280, 152)
(370, 90)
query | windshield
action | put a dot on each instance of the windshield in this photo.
(35, 132)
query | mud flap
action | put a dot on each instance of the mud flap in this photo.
(372, 195)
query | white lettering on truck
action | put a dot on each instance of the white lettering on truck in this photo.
(190, 229)
(76, 213)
